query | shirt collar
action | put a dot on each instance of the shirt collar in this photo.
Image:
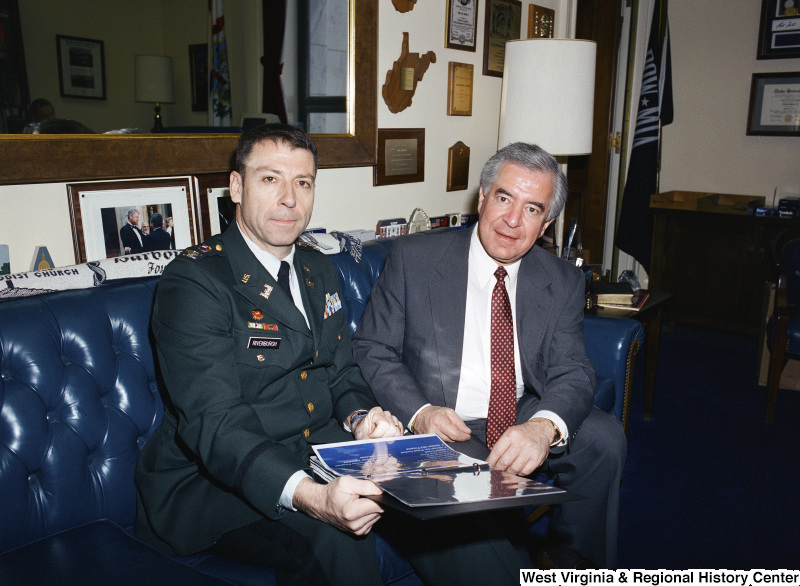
(268, 260)
(484, 265)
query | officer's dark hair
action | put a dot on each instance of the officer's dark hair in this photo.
(157, 220)
(277, 133)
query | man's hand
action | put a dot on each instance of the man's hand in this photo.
(442, 421)
(522, 448)
(377, 423)
(340, 503)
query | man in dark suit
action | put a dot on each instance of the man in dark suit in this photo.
(133, 239)
(158, 239)
(257, 363)
(425, 347)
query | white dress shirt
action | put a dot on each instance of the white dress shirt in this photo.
(475, 382)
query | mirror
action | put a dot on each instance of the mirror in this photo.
(54, 158)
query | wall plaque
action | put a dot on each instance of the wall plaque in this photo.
(457, 167)
(401, 156)
(459, 89)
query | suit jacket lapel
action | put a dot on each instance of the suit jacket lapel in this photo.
(533, 305)
(448, 291)
(255, 283)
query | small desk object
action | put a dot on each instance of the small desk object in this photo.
(650, 317)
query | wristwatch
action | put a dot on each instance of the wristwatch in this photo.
(558, 437)
(353, 418)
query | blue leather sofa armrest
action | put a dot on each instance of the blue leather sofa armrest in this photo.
(612, 344)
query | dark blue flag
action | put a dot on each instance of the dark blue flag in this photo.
(635, 226)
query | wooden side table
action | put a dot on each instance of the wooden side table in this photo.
(650, 317)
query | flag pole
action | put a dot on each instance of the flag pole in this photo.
(626, 126)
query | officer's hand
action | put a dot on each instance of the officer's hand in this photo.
(442, 421)
(523, 448)
(377, 423)
(340, 503)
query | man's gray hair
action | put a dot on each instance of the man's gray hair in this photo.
(132, 212)
(532, 158)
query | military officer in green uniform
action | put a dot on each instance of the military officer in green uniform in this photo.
(258, 367)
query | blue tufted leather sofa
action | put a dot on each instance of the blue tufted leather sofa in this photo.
(79, 396)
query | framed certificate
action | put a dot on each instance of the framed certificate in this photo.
(774, 104)
(462, 25)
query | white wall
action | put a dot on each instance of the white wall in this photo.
(33, 215)
(706, 148)
(347, 199)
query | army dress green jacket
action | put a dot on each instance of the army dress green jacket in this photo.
(249, 389)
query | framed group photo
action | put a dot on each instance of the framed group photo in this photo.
(81, 68)
(113, 218)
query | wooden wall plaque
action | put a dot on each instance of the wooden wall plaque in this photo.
(457, 167)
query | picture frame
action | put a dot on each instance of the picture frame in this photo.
(503, 23)
(459, 89)
(215, 208)
(541, 22)
(779, 31)
(198, 76)
(401, 156)
(774, 104)
(462, 25)
(98, 213)
(81, 68)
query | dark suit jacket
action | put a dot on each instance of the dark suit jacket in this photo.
(129, 239)
(249, 390)
(409, 341)
(158, 239)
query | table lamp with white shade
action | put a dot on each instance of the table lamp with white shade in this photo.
(154, 83)
(548, 98)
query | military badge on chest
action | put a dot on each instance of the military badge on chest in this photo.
(332, 304)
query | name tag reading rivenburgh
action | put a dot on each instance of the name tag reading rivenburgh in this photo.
(263, 342)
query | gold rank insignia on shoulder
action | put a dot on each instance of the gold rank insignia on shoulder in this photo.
(193, 254)
(245, 278)
(267, 291)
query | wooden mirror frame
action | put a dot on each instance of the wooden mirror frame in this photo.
(57, 158)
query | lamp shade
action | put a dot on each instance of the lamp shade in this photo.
(154, 79)
(548, 95)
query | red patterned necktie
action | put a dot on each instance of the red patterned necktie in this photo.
(503, 397)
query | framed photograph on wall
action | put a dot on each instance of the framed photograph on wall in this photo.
(401, 156)
(503, 23)
(779, 33)
(462, 25)
(774, 104)
(112, 218)
(198, 76)
(81, 68)
(214, 204)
